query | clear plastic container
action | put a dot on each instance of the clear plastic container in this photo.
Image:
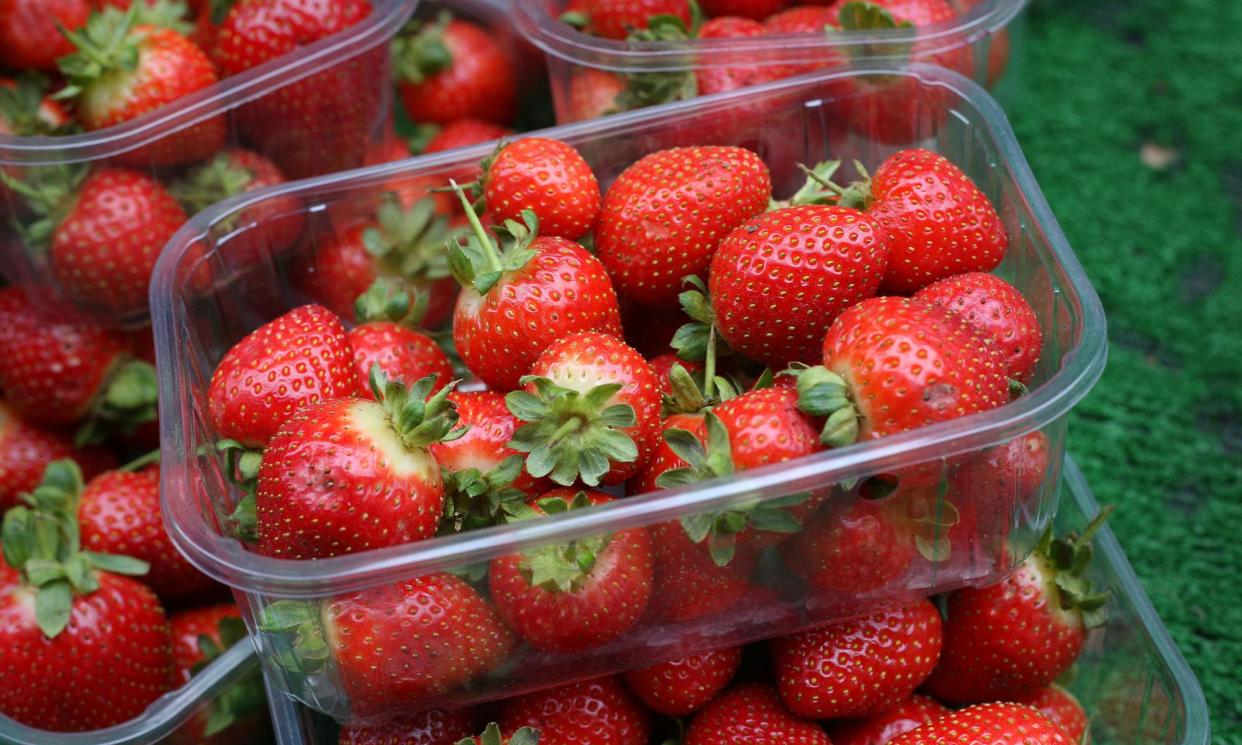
(167, 717)
(353, 65)
(977, 43)
(1131, 678)
(207, 296)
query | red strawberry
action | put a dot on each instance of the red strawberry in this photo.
(1019, 635)
(297, 360)
(681, 687)
(30, 37)
(615, 19)
(546, 177)
(121, 71)
(26, 109)
(688, 198)
(780, 279)
(577, 595)
(394, 644)
(719, 79)
(689, 583)
(119, 513)
(350, 474)
(996, 307)
(26, 449)
(430, 727)
(919, 14)
(513, 304)
(858, 667)
(592, 411)
(326, 119)
(991, 486)
(663, 458)
(663, 364)
(804, 20)
(65, 627)
(199, 636)
(464, 133)
(593, 93)
(493, 736)
(1062, 709)
(452, 69)
(860, 548)
(750, 9)
(600, 712)
(995, 724)
(385, 338)
(879, 729)
(222, 626)
(752, 714)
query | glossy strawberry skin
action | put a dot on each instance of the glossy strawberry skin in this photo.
(752, 714)
(26, 449)
(187, 626)
(464, 133)
(478, 84)
(858, 667)
(298, 359)
(682, 686)
(879, 729)
(430, 727)
(1061, 708)
(859, 548)
(600, 711)
(614, 19)
(603, 605)
(104, 250)
(402, 353)
(548, 177)
(72, 683)
(781, 278)
(996, 307)
(119, 513)
(993, 723)
(562, 290)
(485, 445)
(714, 189)
(29, 37)
(425, 636)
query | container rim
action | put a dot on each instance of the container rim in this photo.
(567, 43)
(386, 18)
(227, 561)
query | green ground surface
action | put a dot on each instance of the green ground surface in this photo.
(1100, 85)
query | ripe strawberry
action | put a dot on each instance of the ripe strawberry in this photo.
(453, 69)
(879, 729)
(592, 410)
(663, 364)
(30, 37)
(995, 724)
(493, 736)
(719, 79)
(119, 513)
(919, 14)
(385, 338)
(514, 303)
(444, 636)
(750, 9)
(26, 448)
(122, 70)
(862, 547)
(681, 687)
(297, 360)
(688, 198)
(430, 727)
(199, 636)
(464, 133)
(689, 583)
(752, 714)
(577, 595)
(58, 369)
(804, 20)
(1062, 709)
(593, 93)
(326, 119)
(350, 474)
(780, 279)
(996, 307)
(615, 19)
(1019, 635)
(26, 109)
(546, 177)
(858, 667)
(989, 488)
(68, 619)
(599, 711)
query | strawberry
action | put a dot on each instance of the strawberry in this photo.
(615, 19)
(996, 307)
(591, 405)
(577, 595)
(752, 714)
(858, 667)
(122, 70)
(991, 486)
(119, 513)
(452, 69)
(326, 118)
(464, 133)
(514, 303)
(26, 448)
(719, 79)
(1062, 709)
(599, 711)
(995, 724)
(58, 369)
(199, 636)
(750, 9)
(392, 644)
(430, 727)
(682, 686)
(879, 729)
(297, 360)
(385, 338)
(688, 198)
(859, 548)
(804, 20)
(689, 583)
(30, 37)
(916, 13)
(493, 736)
(26, 110)
(546, 177)
(593, 93)
(780, 279)
(70, 616)
(1019, 635)
(350, 474)
(663, 364)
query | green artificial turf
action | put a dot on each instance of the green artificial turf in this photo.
(1099, 85)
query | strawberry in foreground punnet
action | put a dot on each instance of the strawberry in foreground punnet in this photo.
(1062, 709)
(547, 177)
(682, 686)
(67, 616)
(600, 711)
(200, 636)
(26, 448)
(451, 69)
(430, 727)
(995, 724)
(879, 729)
(387, 336)
(753, 714)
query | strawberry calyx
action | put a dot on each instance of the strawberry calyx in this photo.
(698, 341)
(21, 107)
(493, 736)
(241, 467)
(219, 178)
(419, 51)
(130, 398)
(240, 700)
(576, 18)
(1064, 563)
(217, 10)
(170, 14)
(720, 529)
(478, 261)
(409, 242)
(49, 193)
(301, 641)
(654, 88)
(476, 499)
(825, 394)
(109, 47)
(418, 416)
(571, 436)
(41, 540)
(817, 189)
(931, 519)
(561, 567)
(859, 15)
(387, 299)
